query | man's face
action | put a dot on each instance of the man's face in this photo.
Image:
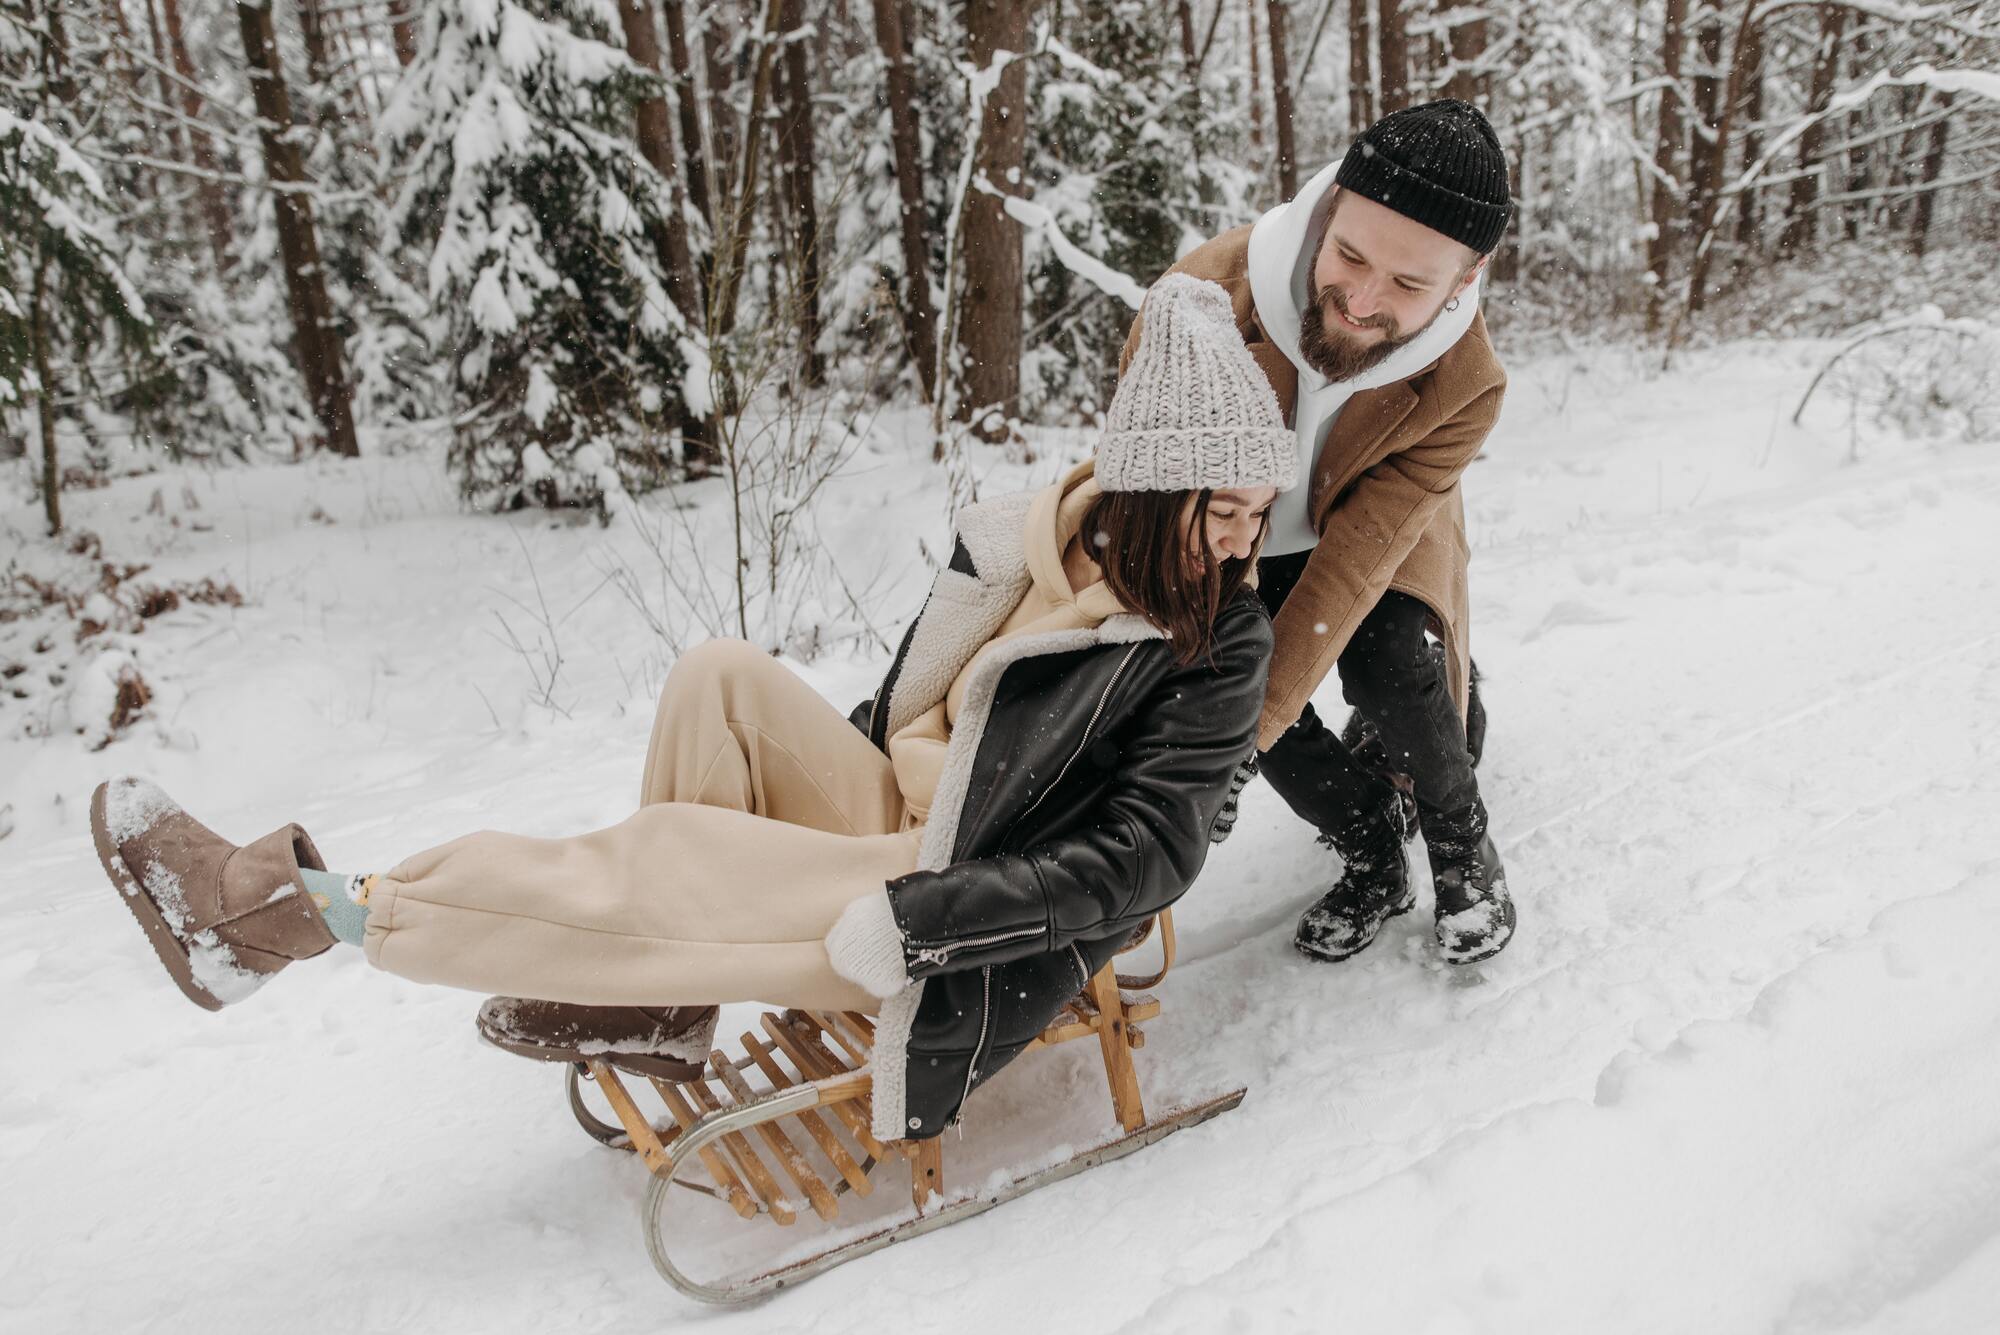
(1380, 280)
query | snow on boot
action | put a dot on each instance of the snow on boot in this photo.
(221, 918)
(1475, 914)
(1374, 886)
(668, 1042)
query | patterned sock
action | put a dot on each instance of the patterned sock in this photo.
(342, 900)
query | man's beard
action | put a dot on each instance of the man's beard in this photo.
(1338, 355)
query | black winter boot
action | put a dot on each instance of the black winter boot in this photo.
(1374, 886)
(1475, 914)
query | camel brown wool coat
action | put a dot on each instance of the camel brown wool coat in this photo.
(1384, 496)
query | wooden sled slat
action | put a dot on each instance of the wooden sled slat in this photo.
(745, 1155)
(713, 1160)
(822, 1135)
(773, 1135)
(857, 1052)
(817, 1064)
(638, 1129)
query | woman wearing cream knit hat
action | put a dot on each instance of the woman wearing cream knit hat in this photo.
(1038, 774)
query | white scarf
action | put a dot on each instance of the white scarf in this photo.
(1281, 265)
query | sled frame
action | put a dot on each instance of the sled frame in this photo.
(798, 1139)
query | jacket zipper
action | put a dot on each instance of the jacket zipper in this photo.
(978, 1048)
(942, 951)
(1084, 742)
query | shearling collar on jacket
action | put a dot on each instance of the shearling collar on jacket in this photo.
(969, 602)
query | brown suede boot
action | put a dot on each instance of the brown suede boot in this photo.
(223, 919)
(666, 1042)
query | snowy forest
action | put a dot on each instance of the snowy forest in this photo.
(590, 243)
(393, 391)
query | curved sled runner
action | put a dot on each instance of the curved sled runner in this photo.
(783, 1128)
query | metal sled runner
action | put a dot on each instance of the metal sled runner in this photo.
(783, 1128)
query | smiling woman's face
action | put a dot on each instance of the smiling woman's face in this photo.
(1235, 519)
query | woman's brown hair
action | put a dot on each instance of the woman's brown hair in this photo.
(1160, 566)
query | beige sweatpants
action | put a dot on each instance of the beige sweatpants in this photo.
(763, 813)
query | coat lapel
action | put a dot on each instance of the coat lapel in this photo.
(1357, 440)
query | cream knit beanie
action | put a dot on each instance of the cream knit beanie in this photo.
(1194, 410)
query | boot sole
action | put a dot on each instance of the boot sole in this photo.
(1474, 959)
(670, 1069)
(1327, 957)
(173, 955)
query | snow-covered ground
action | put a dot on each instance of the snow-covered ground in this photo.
(1740, 1070)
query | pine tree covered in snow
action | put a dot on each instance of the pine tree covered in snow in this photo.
(529, 205)
(1127, 156)
(72, 322)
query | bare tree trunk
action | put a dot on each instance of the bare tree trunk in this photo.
(1860, 174)
(321, 62)
(721, 76)
(1360, 80)
(1749, 59)
(1281, 101)
(403, 29)
(176, 139)
(1667, 143)
(1705, 146)
(656, 145)
(45, 388)
(1468, 44)
(1393, 41)
(919, 316)
(1920, 220)
(731, 254)
(214, 207)
(1184, 17)
(315, 343)
(1256, 84)
(1826, 62)
(795, 148)
(312, 27)
(692, 151)
(55, 54)
(670, 239)
(990, 338)
(1744, 65)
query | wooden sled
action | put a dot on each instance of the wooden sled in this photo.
(782, 1130)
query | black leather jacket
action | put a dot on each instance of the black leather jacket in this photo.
(1096, 781)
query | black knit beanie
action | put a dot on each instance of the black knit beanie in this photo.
(1440, 164)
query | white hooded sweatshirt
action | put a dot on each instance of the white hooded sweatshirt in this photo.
(1281, 265)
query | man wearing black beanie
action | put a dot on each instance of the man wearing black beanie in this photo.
(1360, 301)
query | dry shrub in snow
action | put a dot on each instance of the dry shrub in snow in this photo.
(1921, 375)
(69, 640)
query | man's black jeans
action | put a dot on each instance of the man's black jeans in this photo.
(1396, 680)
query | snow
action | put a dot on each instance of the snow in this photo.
(133, 806)
(1083, 264)
(1736, 1071)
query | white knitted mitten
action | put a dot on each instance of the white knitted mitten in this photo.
(866, 946)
